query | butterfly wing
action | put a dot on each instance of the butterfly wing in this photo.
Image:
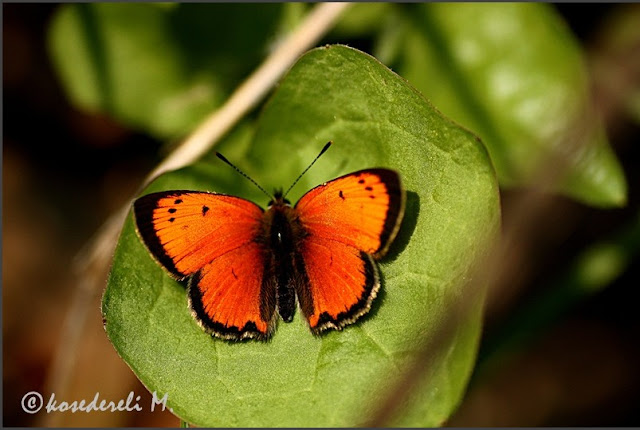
(228, 298)
(212, 239)
(350, 222)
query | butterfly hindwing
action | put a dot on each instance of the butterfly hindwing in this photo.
(341, 282)
(211, 238)
(350, 222)
(228, 296)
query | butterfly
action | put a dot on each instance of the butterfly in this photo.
(243, 263)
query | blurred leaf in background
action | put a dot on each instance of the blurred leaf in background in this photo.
(513, 74)
(161, 67)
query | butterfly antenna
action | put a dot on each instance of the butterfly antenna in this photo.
(308, 167)
(223, 158)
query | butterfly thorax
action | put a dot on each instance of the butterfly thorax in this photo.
(281, 223)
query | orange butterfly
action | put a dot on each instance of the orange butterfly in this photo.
(243, 262)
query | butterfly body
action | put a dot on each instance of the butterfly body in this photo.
(246, 265)
(282, 232)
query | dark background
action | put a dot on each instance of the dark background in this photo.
(65, 170)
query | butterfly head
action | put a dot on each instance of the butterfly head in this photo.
(278, 199)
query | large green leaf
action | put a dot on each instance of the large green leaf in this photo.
(160, 68)
(339, 379)
(512, 73)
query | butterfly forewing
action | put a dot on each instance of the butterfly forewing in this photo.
(361, 209)
(184, 230)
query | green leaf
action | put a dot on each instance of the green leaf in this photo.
(513, 74)
(161, 69)
(339, 379)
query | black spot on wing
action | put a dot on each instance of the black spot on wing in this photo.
(341, 195)
(205, 209)
(172, 210)
(178, 201)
